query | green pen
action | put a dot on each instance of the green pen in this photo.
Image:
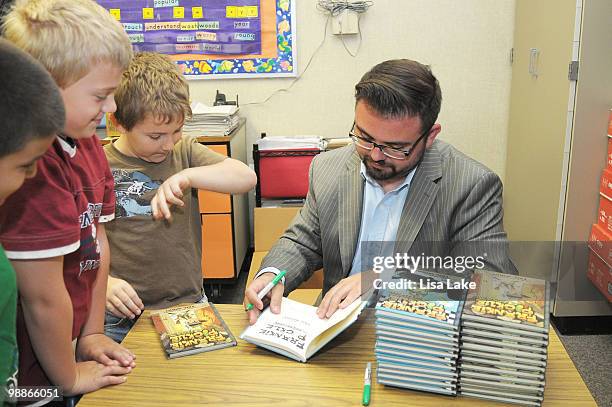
(367, 380)
(268, 288)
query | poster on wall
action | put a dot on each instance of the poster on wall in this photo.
(214, 39)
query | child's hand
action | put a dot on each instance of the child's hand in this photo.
(168, 194)
(93, 376)
(104, 350)
(121, 299)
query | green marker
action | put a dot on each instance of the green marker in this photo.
(367, 380)
(268, 288)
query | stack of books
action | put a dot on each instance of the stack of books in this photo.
(417, 334)
(504, 339)
(212, 120)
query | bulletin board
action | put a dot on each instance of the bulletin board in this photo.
(214, 39)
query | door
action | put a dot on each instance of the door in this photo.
(538, 129)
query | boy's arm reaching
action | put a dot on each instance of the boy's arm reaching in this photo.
(47, 310)
(228, 176)
(92, 343)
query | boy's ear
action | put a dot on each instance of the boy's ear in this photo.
(113, 121)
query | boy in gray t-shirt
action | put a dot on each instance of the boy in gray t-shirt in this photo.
(155, 238)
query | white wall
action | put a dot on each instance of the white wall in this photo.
(466, 42)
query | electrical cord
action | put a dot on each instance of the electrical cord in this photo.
(302, 74)
(335, 7)
(332, 8)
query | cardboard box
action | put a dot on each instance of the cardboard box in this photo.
(609, 156)
(270, 224)
(600, 240)
(600, 274)
(605, 184)
(604, 214)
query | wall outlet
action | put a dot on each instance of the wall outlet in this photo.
(347, 22)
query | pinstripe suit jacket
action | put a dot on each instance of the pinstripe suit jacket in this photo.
(452, 199)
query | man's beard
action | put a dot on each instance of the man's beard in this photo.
(388, 172)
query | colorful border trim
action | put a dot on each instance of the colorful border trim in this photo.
(282, 66)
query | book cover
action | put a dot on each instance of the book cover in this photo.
(186, 329)
(500, 351)
(506, 343)
(403, 374)
(500, 398)
(409, 326)
(491, 331)
(416, 349)
(422, 385)
(509, 358)
(411, 334)
(483, 390)
(406, 338)
(486, 363)
(435, 299)
(414, 363)
(502, 386)
(416, 368)
(506, 299)
(297, 332)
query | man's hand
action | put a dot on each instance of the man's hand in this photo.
(344, 293)
(121, 299)
(168, 194)
(102, 349)
(275, 296)
(92, 376)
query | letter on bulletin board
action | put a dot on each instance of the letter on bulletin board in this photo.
(214, 39)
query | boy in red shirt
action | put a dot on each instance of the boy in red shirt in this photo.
(23, 139)
(53, 227)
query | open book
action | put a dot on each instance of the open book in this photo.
(297, 332)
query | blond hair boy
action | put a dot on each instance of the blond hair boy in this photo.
(156, 263)
(54, 233)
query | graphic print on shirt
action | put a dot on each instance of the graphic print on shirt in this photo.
(133, 191)
(90, 247)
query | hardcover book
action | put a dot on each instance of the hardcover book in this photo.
(427, 304)
(508, 300)
(297, 332)
(186, 329)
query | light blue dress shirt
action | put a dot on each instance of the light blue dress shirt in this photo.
(380, 216)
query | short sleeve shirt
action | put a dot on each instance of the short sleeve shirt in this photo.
(160, 259)
(8, 340)
(56, 213)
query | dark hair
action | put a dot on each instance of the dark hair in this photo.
(31, 105)
(401, 88)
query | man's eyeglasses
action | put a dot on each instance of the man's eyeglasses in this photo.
(388, 151)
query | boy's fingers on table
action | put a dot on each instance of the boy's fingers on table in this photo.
(120, 306)
(129, 296)
(127, 301)
(113, 310)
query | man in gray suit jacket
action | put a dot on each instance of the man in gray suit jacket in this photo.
(395, 183)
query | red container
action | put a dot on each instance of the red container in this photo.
(604, 214)
(601, 242)
(284, 173)
(609, 157)
(605, 184)
(600, 274)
